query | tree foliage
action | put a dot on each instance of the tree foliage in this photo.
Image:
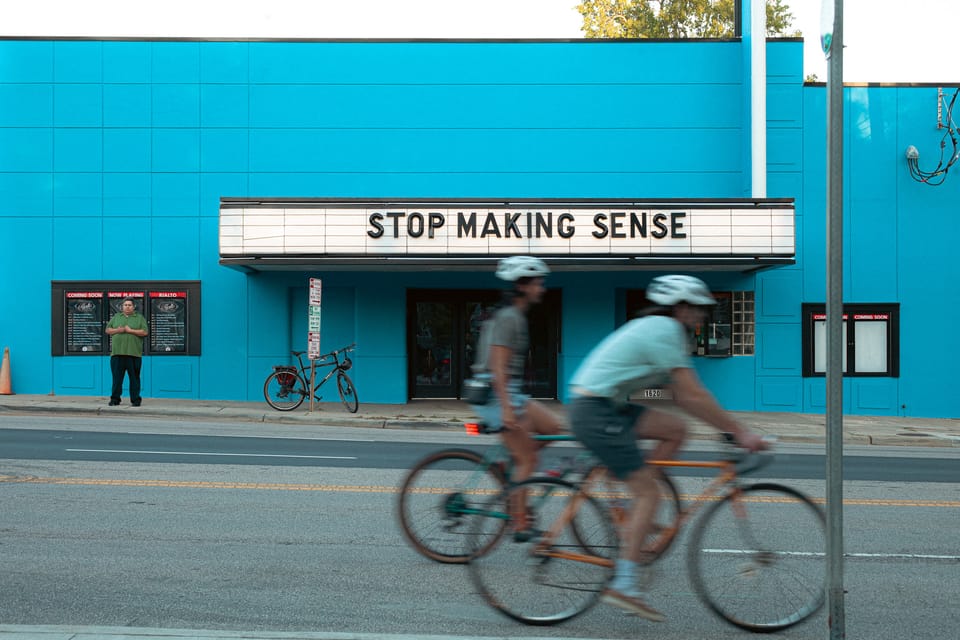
(673, 18)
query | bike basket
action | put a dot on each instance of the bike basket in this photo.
(346, 364)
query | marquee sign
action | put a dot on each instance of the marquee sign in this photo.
(714, 228)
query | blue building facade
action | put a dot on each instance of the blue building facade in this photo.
(122, 162)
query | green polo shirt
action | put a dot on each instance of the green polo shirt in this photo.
(127, 344)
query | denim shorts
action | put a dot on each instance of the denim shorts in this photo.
(609, 431)
(490, 413)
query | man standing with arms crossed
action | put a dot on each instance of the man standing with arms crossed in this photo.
(127, 330)
(647, 352)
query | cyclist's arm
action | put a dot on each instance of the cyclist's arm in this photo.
(498, 364)
(691, 396)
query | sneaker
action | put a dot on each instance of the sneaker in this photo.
(526, 535)
(633, 604)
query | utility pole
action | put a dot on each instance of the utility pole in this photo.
(832, 41)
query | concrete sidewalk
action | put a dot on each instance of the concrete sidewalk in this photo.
(451, 414)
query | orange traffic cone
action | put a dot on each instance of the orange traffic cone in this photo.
(5, 374)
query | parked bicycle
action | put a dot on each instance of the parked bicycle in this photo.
(756, 557)
(288, 386)
(439, 494)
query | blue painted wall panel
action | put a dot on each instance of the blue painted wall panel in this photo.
(224, 62)
(26, 61)
(224, 105)
(126, 249)
(77, 149)
(127, 105)
(127, 150)
(175, 62)
(78, 105)
(176, 194)
(127, 62)
(26, 150)
(126, 194)
(174, 248)
(176, 105)
(26, 194)
(224, 150)
(78, 194)
(176, 150)
(26, 105)
(78, 248)
(77, 61)
(215, 185)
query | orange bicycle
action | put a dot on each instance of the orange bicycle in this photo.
(756, 556)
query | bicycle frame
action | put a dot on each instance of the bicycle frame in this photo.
(325, 360)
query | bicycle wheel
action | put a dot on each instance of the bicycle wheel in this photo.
(551, 578)
(438, 495)
(666, 522)
(284, 390)
(757, 557)
(348, 392)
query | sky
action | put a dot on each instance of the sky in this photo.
(886, 40)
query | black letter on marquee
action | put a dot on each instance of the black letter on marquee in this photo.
(415, 225)
(599, 221)
(377, 230)
(659, 221)
(564, 230)
(467, 226)
(638, 225)
(396, 215)
(676, 225)
(616, 224)
(436, 221)
(490, 226)
(545, 225)
(510, 222)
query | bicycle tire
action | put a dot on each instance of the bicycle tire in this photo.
(284, 397)
(436, 498)
(666, 520)
(348, 392)
(757, 557)
(518, 579)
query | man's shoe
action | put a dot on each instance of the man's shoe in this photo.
(526, 535)
(136, 404)
(632, 604)
(113, 403)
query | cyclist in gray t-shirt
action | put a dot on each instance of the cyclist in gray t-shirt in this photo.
(645, 352)
(501, 353)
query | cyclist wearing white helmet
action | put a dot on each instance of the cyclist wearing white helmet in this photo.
(501, 354)
(646, 352)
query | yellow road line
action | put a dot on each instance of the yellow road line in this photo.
(352, 488)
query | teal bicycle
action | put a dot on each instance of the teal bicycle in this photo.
(442, 492)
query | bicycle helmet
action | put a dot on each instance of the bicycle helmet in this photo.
(670, 290)
(515, 267)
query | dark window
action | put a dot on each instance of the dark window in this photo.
(82, 309)
(729, 329)
(871, 338)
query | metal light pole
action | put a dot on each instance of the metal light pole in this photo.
(832, 40)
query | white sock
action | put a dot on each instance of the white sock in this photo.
(625, 577)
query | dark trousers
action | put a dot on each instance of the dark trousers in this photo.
(129, 365)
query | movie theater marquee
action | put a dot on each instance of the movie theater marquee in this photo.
(722, 228)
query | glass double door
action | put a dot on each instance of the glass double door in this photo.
(444, 328)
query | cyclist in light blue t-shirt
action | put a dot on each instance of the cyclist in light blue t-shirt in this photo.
(647, 352)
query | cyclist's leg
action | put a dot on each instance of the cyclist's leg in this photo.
(668, 430)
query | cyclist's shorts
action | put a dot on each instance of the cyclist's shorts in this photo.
(608, 430)
(490, 413)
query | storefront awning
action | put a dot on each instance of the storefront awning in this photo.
(433, 235)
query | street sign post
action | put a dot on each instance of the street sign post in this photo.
(313, 331)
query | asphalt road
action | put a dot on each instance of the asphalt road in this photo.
(54, 444)
(310, 544)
